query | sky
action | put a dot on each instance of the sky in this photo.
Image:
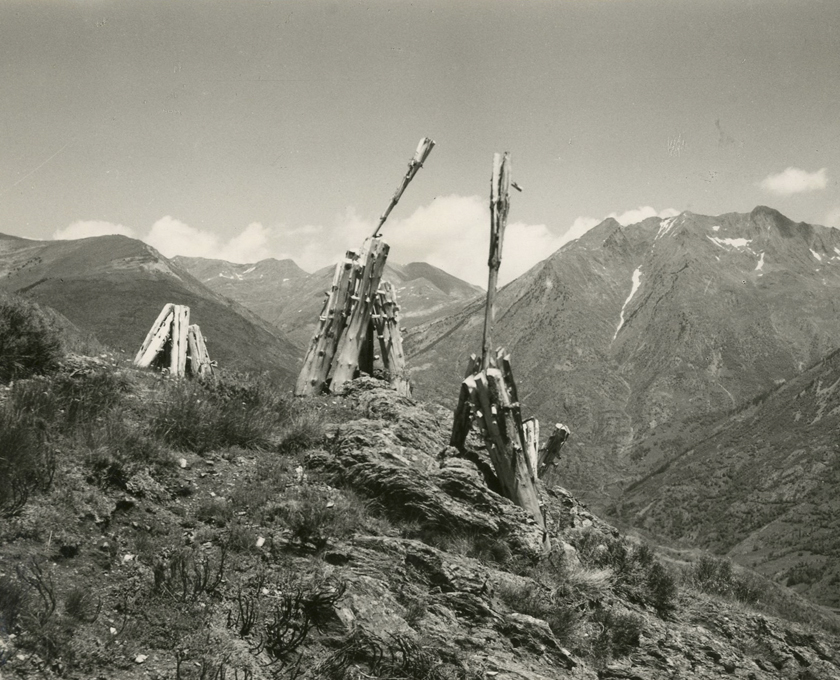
(280, 128)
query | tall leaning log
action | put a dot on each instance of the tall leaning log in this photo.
(180, 328)
(387, 326)
(549, 455)
(155, 338)
(316, 365)
(146, 356)
(347, 354)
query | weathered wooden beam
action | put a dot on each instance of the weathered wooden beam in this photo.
(531, 430)
(144, 355)
(316, 365)
(346, 360)
(499, 205)
(424, 148)
(157, 342)
(178, 352)
(199, 361)
(390, 338)
(550, 454)
(521, 483)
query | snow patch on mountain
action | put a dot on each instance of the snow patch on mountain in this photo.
(816, 254)
(716, 227)
(248, 271)
(760, 264)
(665, 226)
(734, 242)
(637, 280)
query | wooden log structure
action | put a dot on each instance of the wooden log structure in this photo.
(549, 455)
(356, 316)
(174, 344)
(386, 327)
(360, 312)
(488, 396)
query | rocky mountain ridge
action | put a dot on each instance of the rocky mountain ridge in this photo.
(630, 331)
(114, 287)
(289, 298)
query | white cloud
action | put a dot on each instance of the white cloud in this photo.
(583, 224)
(452, 232)
(88, 228)
(173, 237)
(795, 181)
(641, 213)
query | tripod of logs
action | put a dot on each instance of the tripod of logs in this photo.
(489, 396)
(359, 311)
(173, 343)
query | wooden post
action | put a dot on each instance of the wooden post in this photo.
(531, 430)
(346, 359)
(156, 337)
(313, 376)
(550, 453)
(499, 206)
(386, 318)
(424, 148)
(199, 360)
(180, 326)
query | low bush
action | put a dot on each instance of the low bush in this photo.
(639, 576)
(618, 634)
(315, 515)
(28, 344)
(716, 576)
(27, 463)
(203, 416)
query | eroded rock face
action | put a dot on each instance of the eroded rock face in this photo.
(462, 606)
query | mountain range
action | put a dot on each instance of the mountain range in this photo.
(290, 299)
(114, 287)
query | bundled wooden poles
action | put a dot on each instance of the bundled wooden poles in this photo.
(424, 148)
(357, 312)
(174, 344)
(488, 394)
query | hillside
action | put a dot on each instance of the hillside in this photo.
(114, 287)
(285, 296)
(761, 485)
(177, 529)
(645, 332)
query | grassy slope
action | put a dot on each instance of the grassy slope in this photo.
(133, 565)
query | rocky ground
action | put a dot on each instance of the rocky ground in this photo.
(353, 543)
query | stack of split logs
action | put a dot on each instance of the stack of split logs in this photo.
(175, 345)
(360, 314)
(488, 394)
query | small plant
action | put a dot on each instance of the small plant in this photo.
(27, 462)
(716, 576)
(315, 516)
(81, 604)
(12, 600)
(188, 574)
(304, 431)
(200, 416)
(28, 345)
(618, 634)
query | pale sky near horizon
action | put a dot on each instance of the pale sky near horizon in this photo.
(280, 128)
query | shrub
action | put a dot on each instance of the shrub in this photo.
(314, 515)
(12, 600)
(638, 574)
(202, 416)
(618, 634)
(28, 345)
(27, 463)
(716, 576)
(303, 432)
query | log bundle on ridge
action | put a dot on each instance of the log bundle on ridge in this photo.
(174, 344)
